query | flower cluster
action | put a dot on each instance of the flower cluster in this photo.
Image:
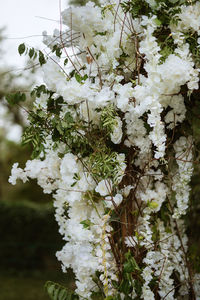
(111, 145)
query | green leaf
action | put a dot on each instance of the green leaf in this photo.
(101, 33)
(60, 128)
(73, 184)
(15, 98)
(86, 223)
(138, 287)
(65, 61)
(76, 176)
(50, 290)
(125, 287)
(38, 90)
(78, 78)
(42, 59)
(57, 50)
(158, 22)
(85, 77)
(68, 118)
(62, 295)
(35, 56)
(135, 264)
(128, 267)
(31, 52)
(127, 297)
(21, 48)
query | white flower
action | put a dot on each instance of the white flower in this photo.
(131, 241)
(175, 72)
(104, 187)
(116, 134)
(74, 92)
(84, 19)
(68, 168)
(104, 97)
(152, 3)
(147, 294)
(41, 102)
(112, 202)
(147, 275)
(121, 167)
(124, 92)
(52, 73)
(197, 284)
(190, 17)
(17, 173)
(126, 190)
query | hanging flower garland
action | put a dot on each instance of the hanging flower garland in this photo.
(110, 142)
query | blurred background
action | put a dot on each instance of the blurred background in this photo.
(28, 231)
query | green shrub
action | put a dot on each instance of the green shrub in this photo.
(29, 236)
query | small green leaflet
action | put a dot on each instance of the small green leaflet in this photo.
(65, 61)
(57, 50)
(42, 60)
(79, 78)
(31, 52)
(157, 22)
(68, 117)
(21, 48)
(86, 223)
(130, 265)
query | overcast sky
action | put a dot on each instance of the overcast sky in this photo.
(27, 18)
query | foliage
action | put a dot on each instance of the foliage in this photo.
(58, 292)
(16, 98)
(32, 53)
(108, 115)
